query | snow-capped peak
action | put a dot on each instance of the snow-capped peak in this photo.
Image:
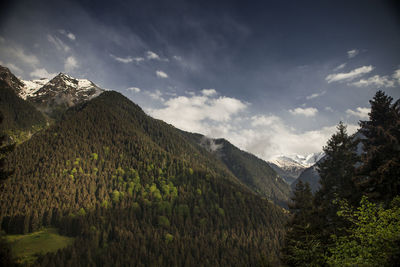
(30, 87)
(60, 83)
(298, 160)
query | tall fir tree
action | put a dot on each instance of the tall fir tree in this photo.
(301, 247)
(336, 171)
(379, 175)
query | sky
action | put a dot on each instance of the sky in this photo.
(272, 77)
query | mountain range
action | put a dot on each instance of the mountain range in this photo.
(137, 189)
(292, 166)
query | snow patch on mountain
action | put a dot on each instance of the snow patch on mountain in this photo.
(31, 87)
(299, 161)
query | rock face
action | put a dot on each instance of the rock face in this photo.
(11, 80)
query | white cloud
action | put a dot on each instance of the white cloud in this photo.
(349, 75)
(14, 69)
(70, 64)
(396, 75)
(315, 95)
(179, 58)
(352, 53)
(152, 55)
(194, 112)
(20, 54)
(223, 117)
(157, 95)
(70, 35)
(308, 112)
(208, 92)
(127, 59)
(261, 120)
(60, 45)
(341, 66)
(329, 109)
(134, 89)
(41, 73)
(379, 81)
(360, 112)
(161, 74)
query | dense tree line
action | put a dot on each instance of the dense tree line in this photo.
(134, 191)
(354, 219)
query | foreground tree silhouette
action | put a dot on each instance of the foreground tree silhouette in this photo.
(301, 246)
(378, 176)
(336, 171)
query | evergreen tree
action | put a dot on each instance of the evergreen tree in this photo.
(301, 247)
(379, 175)
(4, 150)
(336, 171)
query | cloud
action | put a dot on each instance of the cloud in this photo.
(60, 45)
(152, 55)
(352, 53)
(70, 35)
(261, 120)
(341, 66)
(161, 74)
(224, 117)
(349, 75)
(127, 59)
(308, 112)
(208, 92)
(329, 109)
(15, 69)
(315, 95)
(379, 81)
(195, 112)
(18, 53)
(70, 64)
(41, 73)
(134, 89)
(396, 76)
(178, 58)
(360, 112)
(157, 95)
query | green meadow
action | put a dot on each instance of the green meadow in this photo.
(26, 248)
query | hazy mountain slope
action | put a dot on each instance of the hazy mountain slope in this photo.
(250, 170)
(136, 189)
(311, 176)
(288, 175)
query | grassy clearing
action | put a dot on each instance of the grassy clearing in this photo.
(26, 248)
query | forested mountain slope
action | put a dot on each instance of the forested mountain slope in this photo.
(250, 170)
(134, 189)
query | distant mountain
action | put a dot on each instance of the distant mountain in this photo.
(254, 172)
(289, 175)
(311, 176)
(54, 96)
(290, 167)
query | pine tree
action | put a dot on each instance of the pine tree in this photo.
(336, 171)
(301, 247)
(379, 175)
(4, 150)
